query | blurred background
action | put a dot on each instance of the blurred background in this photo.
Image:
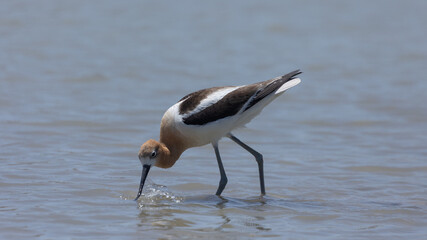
(84, 83)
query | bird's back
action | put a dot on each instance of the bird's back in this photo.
(209, 114)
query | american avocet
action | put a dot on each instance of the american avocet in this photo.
(205, 117)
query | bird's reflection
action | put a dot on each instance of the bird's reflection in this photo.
(203, 212)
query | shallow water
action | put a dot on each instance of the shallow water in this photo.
(82, 85)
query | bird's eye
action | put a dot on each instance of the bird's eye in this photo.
(153, 154)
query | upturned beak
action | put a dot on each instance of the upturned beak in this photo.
(145, 170)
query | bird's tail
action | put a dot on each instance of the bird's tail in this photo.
(290, 81)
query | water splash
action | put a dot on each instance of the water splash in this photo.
(157, 195)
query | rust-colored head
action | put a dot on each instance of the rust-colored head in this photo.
(151, 153)
(148, 153)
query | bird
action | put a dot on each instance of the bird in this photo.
(204, 117)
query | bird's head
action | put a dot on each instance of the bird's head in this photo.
(149, 154)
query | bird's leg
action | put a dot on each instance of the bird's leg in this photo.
(258, 158)
(223, 180)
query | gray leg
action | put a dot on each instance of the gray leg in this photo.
(258, 158)
(223, 180)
